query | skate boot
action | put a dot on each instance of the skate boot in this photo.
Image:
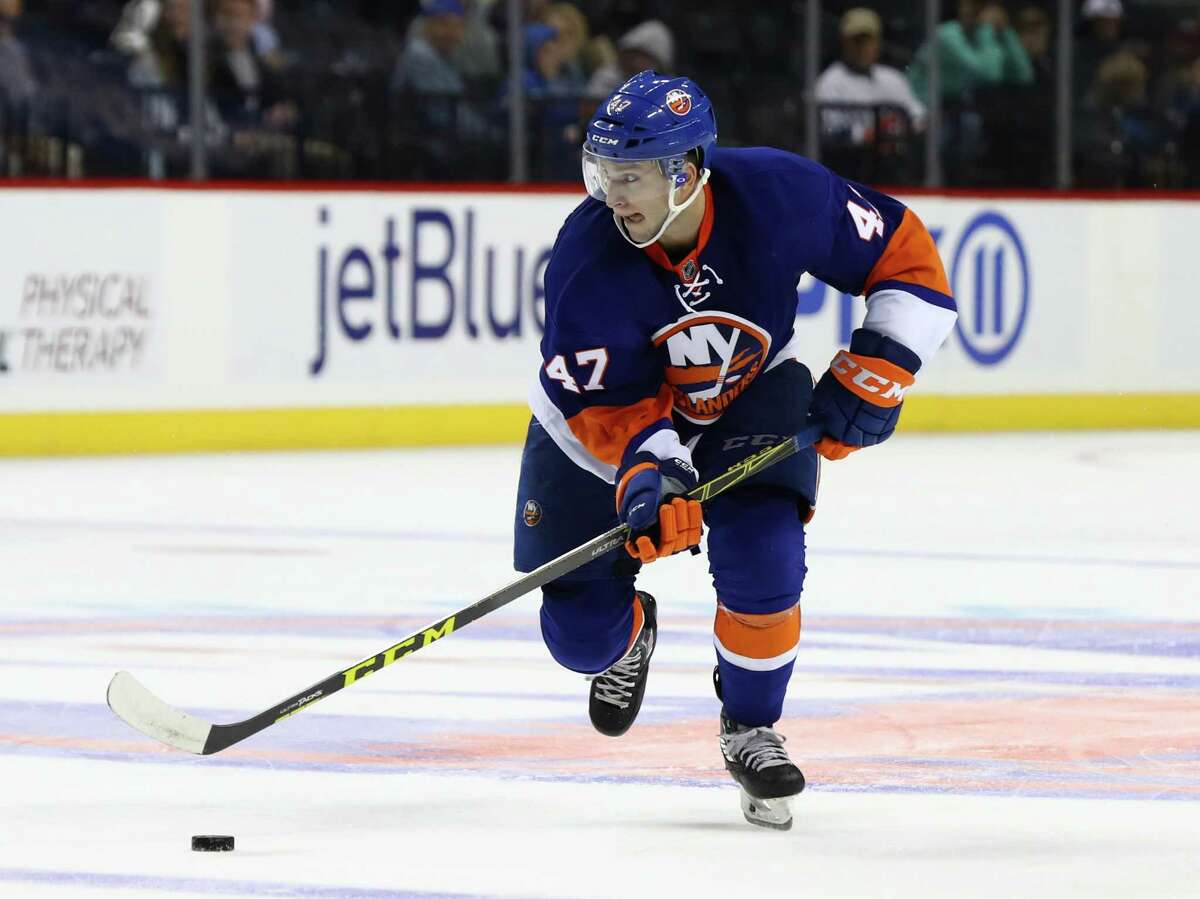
(617, 692)
(758, 762)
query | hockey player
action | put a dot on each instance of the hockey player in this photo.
(669, 354)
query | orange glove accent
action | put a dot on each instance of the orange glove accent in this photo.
(680, 523)
(833, 450)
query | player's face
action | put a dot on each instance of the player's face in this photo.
(637, 192)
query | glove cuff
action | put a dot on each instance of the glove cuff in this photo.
(630, 468)
(871, 379)
(866, 342)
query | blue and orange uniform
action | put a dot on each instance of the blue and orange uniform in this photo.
(696, 359)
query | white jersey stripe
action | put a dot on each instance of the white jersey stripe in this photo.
(909, 320)
(551, 418)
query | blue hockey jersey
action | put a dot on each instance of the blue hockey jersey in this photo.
(633, 340)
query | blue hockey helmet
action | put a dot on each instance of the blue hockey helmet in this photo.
(651, 118)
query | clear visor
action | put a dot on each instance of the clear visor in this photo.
(638, 183)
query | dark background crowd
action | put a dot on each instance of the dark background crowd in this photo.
(405, 90)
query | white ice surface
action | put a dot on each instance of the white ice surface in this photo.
(997, 693)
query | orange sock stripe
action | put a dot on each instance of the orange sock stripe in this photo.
(639, 618)
(758, 636)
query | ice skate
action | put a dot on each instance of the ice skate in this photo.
(758, 762)
(617, 692)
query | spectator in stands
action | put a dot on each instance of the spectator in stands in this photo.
(160, 60)
(477, 56)
(530, 11)
(1180, 50)
(572, 28)
(858, 78)
(649, 45)
(977, 48)
(138, 18)
(17, 83)
(131, 35)
(263, 36)
(449, 130)
(1121, 141)
(160, 73)
(593, 50)
(1100, 38)
(245, 84)
(552, 71)
(1177, 98)
(554, 86)
(1018, 119)
(427, 64)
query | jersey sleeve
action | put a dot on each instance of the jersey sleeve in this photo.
(881, 249)
(601, 393)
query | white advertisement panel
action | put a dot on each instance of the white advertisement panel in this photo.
(82, 307)
(178, 299)
(394, 298)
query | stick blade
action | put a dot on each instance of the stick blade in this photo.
(145, 712)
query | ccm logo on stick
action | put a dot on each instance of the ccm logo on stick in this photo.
(884, 384)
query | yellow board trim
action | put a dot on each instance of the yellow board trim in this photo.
(213, 430)
(1051, 412)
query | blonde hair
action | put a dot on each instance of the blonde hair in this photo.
(570, 23)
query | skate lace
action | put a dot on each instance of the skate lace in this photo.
(615, 686)
(756, 747)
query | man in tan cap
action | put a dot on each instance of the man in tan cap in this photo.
(857, 79)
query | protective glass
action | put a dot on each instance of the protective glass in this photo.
(639, 183)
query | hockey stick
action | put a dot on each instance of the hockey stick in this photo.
(142, 710)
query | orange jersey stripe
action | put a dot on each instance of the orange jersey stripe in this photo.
(910, 256)
(758, 636)
(606, 430)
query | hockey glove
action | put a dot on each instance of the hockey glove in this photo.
(650, 499)
(860, 396)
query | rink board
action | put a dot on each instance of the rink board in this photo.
(157, 319)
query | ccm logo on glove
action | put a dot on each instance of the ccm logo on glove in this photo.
(872, 379)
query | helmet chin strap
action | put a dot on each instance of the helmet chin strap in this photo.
(673, 212)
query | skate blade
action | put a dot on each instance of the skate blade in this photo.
(773, 813)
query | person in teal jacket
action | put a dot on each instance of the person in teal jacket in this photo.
(976, 49)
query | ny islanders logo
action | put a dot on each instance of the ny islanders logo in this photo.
(679, 101)
(712, 358)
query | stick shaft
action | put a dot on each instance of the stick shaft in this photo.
(222, 736)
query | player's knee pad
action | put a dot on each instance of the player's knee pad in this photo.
(757, 642)
(756, 549)
(755, 654)
(586, 625)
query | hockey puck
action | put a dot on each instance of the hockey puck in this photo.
(210, 843)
